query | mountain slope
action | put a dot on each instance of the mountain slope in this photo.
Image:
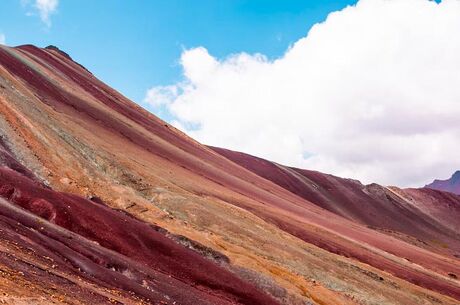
(449, 185)
(388, 209)
(99, 169)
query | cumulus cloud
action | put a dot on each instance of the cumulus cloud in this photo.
(45, 9)
(372, 93)
(2, 38)
(158, 96)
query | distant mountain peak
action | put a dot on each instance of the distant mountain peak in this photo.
(449, 185)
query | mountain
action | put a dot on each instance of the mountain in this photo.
(450, 185)
(393, 210)
(102, 202)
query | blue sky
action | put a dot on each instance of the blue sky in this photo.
(369, 93)
(135, 46)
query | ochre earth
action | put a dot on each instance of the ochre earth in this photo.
(105, 203)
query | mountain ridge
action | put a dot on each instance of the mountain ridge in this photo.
(68, 136)
(451, 184)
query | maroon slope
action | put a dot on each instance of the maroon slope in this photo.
(109, 247)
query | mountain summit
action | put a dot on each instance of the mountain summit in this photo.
(449, 185)
(101, 202)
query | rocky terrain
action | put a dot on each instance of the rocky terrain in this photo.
(104, 203)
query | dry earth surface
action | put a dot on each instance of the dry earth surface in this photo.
(104, 203)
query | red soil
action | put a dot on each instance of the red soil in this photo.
(129, 254)
(332, 213)
(372, 205)
(363, 204)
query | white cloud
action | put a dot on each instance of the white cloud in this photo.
(159, 96)
(45, 9)
(2, 39)
(371, 93)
